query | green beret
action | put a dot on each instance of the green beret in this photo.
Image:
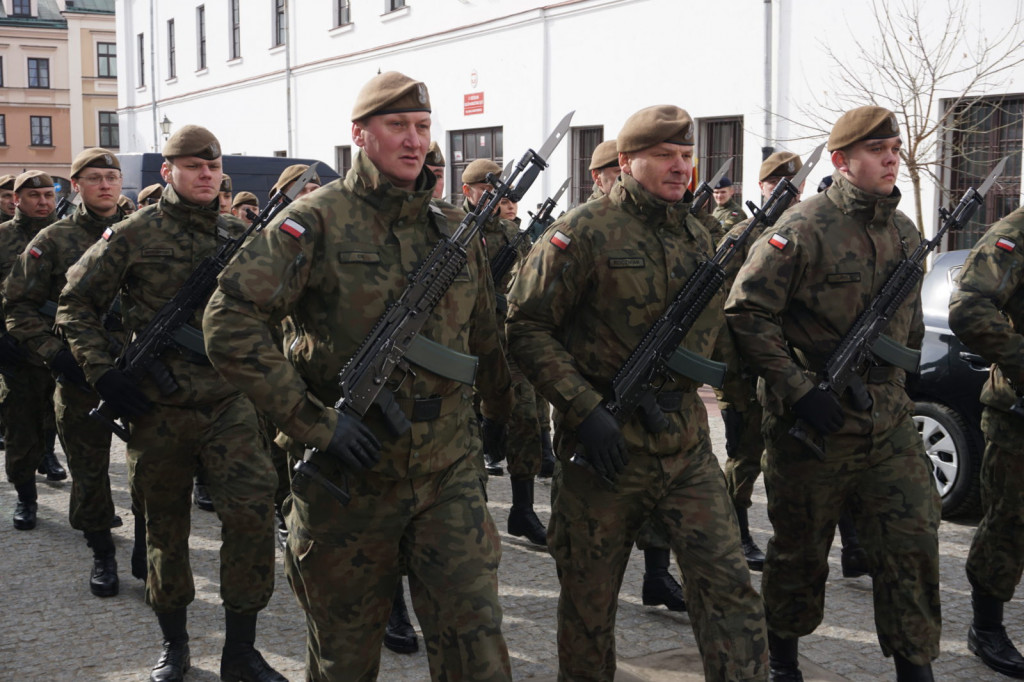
(780, 164)
(225, 183)
(863, 123)
(290, 175)
(477, 171)
(654, 125)
(192, 140)
(247, 198)
(605, 156)
(434, 156)
(96, 157)
(126, 203)
(32, 179)
(7, 182)
(390, 93)
(151, 194)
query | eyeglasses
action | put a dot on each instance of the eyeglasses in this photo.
(109, 178)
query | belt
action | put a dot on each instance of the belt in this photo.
(429, 409)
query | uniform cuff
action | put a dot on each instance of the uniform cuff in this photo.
(581, 407)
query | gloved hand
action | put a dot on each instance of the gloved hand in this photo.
(354, 444)
(123, 394)
(10, 352)
(493, 434)
(64, 364)
(601, 437)
(820, 409)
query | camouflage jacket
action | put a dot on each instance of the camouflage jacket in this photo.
(804, 284)
(146, 258)
(15, 235)
(333, 261)
(987, 310)
(496, 233)
(730, 214)
(39, 275)
(590, 291)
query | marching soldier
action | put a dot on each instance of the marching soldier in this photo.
(126, 205)
(333, 261)
(435, 163)
(290, 175)
(604, 168)
(987, 313)
(799, 291)
(244, 205)
(204, 422)
(150, 194)
(632, 250)
(728, 210)
(6, 197)
(224, 195)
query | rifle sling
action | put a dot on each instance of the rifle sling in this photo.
(697, 367)
(442, 360)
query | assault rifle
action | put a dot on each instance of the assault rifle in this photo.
(67, 204)
(646, 370)
(865, 340)
(364, 378)
(140, 357)
(707, 188)
(507, 254)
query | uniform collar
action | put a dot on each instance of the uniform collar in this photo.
(32, 225)
(92, 223)
(633, 198)
(199, 218)
(854, 201)
(368, 183)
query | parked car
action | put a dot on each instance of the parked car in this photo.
(946, 393)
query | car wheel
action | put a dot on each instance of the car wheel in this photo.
(955, 459)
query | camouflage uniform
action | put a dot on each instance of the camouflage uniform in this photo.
(333, 261)
(36, 278)
(729, 214)
(26, 395)
(568, 332)
(799, 291)
(987, 313)
(206, 422)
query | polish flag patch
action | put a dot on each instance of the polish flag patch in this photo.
(35, 252)
(778, 241)
(560, 240)
(293, 228)
(108, 233)
(1005, 244)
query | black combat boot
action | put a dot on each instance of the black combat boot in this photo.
(522, 519)
(987, 637)
(139, 559)
(240, 661)
(26, 506)
(911, 672)
(547, 464)
(201, 495)
(660, 588)
(50, 466)
(103, 582)
(854, 559)
(399, 635)
(751, 552)
(783, 661)
(175, 659)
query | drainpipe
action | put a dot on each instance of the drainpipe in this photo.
(768, 147)
(288, 71)
(152, 72)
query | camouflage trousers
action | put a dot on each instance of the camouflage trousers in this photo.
(523, 449)
(86, 444)
(592, 532)
(165, 449)
(996, 559)
(343, 565)
(279, 456)
(886, 482)
(26, 407)
(744, 448)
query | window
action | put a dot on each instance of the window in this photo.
(720, 139)
(343, 12)
(395, 4)
(343, 160)
(21, 8)
(41, 132)
(584, 141)
(3, 130)
(172, 52)
(106, 60)
(280, 23)
(236, 31)
(979, 133)
(469, 145)
(109, 136)
(141, 43)
(1, 72)
(38, 73)
(201, 37)
(281, 153)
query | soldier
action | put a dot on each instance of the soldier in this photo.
(800, 290)
(26, 394)
(435, 164)
(6, 197)
(521, 445)
(987, 313)
(34, 283)
(604, 168)
(245, 207)
(333, 262)
(728, 210)
(204, 422)
(126, 205)
(224, 195)
(632, 249)
(150, 194)
(290, 175)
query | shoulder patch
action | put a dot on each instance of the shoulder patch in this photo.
(1005, 244)
(778, 241)
(561, 240)
(35, 252)
(291, 227)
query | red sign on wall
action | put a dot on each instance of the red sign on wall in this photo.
(473, 103)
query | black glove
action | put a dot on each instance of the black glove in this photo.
(123, 394)
(354, 444)
(601, 437)
(10, 352)
(64, 364)
(820, 409)
(493, 434)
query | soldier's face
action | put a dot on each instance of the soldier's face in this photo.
(871, 165)
(605, 177)
(396, 144)
(36, 202)
(224, 199)
(195, 180)
(308, 189)
(100, 189)
(438, 172)
(475, 191)
(242, 212)
(508, 209)
(7, 202)
(664, 170)
(723, 194)
(769, 184)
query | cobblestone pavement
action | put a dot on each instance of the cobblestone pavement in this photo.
(52, 628)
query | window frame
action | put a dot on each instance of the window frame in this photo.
(235, 29)
(583, 142)
(201, 62)
(39, 61)
(172, 50)
(140, 47)
(279, 23)
(112, 126)
(713, 150)
(394, 5)
(342, 13)
(3, 130)
(33, 120)
(15, 4)
(110, 59)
